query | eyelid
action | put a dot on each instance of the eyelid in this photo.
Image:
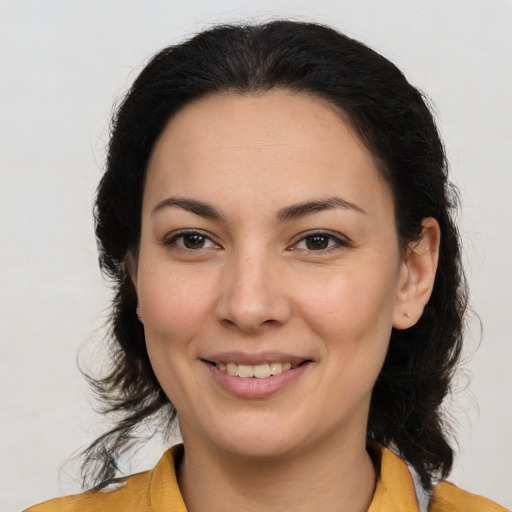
(170, 239)
(341, 240)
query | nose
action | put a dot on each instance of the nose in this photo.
(253, 293)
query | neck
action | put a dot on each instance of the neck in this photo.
(327, 479)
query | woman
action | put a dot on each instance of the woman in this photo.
(276, 215)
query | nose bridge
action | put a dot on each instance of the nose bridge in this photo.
(252, 293)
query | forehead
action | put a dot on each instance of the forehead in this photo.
(251, 146)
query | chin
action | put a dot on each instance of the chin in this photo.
(259, 437)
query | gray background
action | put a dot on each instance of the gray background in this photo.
(62, 66)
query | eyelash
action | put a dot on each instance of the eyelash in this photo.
(333, 241)
(173, 239)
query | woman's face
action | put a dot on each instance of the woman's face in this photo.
(268, 248)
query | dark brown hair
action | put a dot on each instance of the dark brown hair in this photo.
(391, 118)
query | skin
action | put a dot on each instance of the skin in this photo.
(251, 279)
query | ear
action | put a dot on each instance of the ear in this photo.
(417, 275)
(130, 264)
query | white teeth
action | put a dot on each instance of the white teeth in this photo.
(260, 371)
(276, 368)
(245, 370)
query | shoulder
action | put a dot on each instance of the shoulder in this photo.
(156, 490)
(399, 488)
(449, 498)
(123, 494)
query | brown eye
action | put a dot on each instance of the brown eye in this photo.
(194, 241)
(190, 241)
(320, 241)
(317, 242)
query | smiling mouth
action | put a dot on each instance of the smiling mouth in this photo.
(258, 371)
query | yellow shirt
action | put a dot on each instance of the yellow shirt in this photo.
(158, 491)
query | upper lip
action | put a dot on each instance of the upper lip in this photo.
(255, 359)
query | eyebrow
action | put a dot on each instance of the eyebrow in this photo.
(190, 205)
(284, 214)
(309, 207)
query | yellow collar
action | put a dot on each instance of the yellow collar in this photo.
(158, 491)
(395, 487)
(394, 491)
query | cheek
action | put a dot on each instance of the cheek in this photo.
(174, 311)
(352, 314)
(349, 303)
(173, 306)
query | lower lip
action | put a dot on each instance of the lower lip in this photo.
(252, 387)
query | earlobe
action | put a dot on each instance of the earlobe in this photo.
(139, 313)
(417, 276)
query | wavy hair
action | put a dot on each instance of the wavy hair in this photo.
(393, 120)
